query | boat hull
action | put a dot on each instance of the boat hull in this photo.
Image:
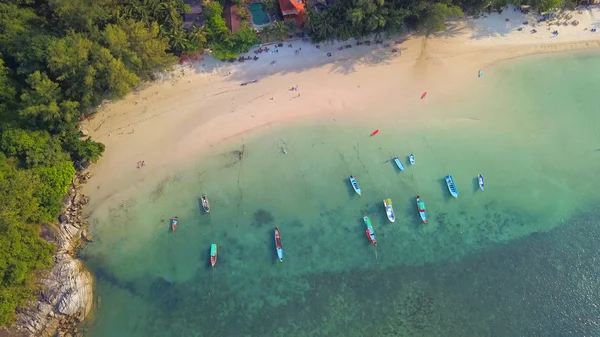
(399, 163)
(205, 204)
(355, 185)
(421, 209)
(214, 253)
(278, 245)
(411, 159)
(174, 222)
(481, 182)
(451, 186)
(370, 231)
(389, 210)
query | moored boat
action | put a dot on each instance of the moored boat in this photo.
(370, 231)
(278, 244)
(421, 208)
(213, 254)
(481, 182)
(174, 222)
(389, 211)
(411, 159)
(451, 186)
(399, 163)
(355, 185)
(205, 204)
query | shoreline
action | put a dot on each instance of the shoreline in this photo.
(200, 105)
(196, 124)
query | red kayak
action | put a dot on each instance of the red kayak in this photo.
(174, 223)
(374, 132)
(424, 95)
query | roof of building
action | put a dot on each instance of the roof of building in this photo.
(232, 20)
(292, 7)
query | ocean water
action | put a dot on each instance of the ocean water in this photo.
(518, 259)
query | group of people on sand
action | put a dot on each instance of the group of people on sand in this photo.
(141, 163)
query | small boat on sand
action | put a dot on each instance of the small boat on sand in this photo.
(389, 211)
(370, 231)
(355, 185)
(213, 254)
(481, 182)
(451, 186)
(399, 163)
(421, 208)
(411, 159)
(278, 245)
(174, 222)
(205, 204)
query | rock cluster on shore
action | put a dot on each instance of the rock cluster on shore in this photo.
(66, 294)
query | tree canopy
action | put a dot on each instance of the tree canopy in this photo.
(58, 59)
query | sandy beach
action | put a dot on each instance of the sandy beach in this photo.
(203, 104)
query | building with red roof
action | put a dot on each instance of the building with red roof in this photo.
(293, 10)
(232, 19)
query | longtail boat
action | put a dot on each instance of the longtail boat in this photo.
(389, 211)
(355, 185)
(205, 204)
(451, 186)
(399, 163)
(174, 222)
(481, 182)
(213, 254)
(370, 231)
(278, 244)
(411, 159)
(421, 208)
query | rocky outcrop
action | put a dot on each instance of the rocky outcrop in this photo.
(66, 295)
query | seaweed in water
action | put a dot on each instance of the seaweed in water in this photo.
(263, 217)
(237, 155)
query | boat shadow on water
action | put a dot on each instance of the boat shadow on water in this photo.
(200, 208)
(351, 192)
(444, 187)
(272, 248)
(361, 227)
(411, 209)
(475, 184)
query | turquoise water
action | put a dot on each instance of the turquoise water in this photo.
(259, 13)
(514, 260)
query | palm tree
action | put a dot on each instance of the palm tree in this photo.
(267, 32)
(320, 25)
(281, 29)
(197, 38)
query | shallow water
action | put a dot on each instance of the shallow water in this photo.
(480, 267)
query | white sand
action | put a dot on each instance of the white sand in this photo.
(201, 105)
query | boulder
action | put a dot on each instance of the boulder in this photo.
(66, 295)
(63, 218)
(85, 235)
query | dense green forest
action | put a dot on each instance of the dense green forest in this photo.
(60, 58)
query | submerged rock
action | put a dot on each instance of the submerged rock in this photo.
(263, 217)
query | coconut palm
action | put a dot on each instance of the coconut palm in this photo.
(267, 32)
(281, 29)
